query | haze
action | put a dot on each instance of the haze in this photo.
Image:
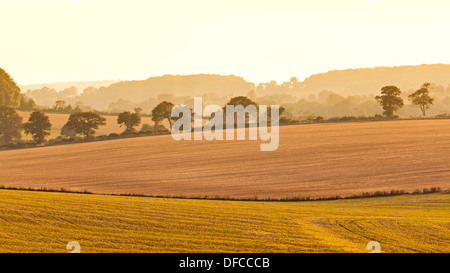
(80, 40)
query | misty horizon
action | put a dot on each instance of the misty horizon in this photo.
(75, 40)
(69, 81)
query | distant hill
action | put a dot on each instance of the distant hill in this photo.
(217, 89)
(366, 81)
(167, 86)
(178, 85)
(79, 85)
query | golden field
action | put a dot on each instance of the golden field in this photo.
(318, 160)
(46, 222)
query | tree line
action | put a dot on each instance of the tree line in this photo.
(83, 123)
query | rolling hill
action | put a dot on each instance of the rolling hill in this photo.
(218, 88)
(365, 81)
(320, 160)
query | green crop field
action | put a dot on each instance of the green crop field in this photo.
(46, 222)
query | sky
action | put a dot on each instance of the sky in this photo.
(86, 40)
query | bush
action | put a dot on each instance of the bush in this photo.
(146, 127)
(145, 132)
(162, 130)
(15, 145)
(113, 135)
(129, 133)
(444, 116)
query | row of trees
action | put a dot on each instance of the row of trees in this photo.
(39, 125)
(391, 100)
(84, 123)
(11, 126)
(79, 123)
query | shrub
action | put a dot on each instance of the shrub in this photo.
(162, 130)
(101, 137)
(113, 135)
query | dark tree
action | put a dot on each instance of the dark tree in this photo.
(85, 123)
(129, 120)
(281, 112)
(68, 109)
(146, 127)
(240, 100)
(67, 131)
(38, 126)
(162, 111)
(60, 105)
(9, 91)
(27, 104)
(10, 125)
(422, 98)
(390, 100)
(187, 109)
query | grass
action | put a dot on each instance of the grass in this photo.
(32, 221)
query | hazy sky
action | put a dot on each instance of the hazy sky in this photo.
(72, 40)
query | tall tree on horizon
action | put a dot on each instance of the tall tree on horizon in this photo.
(236, 101)
(38, 126)
(390, 100)
(129, 120)
(422, 98)
(85, 123)
(10, 125)
(162, 111)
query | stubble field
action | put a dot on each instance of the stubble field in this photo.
(46, 222)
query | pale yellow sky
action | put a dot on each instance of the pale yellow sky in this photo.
(74, 40)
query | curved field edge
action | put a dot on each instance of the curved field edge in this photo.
(46, 222)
